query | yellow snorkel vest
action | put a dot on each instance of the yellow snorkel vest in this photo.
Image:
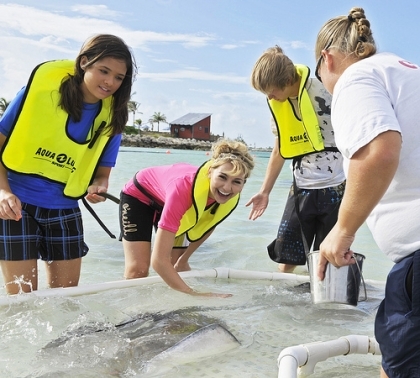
(38, 143)
(297, 137)
(198, 220)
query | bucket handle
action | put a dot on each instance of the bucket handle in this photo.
(363, 280)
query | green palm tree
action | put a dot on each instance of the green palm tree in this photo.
(133, 107)
(138, 123)
(157, 118)
(3, 105)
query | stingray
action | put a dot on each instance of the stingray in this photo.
(153, 342)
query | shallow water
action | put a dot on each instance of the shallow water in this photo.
(265, 316)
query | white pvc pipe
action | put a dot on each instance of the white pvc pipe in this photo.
(300, 360)
(257, 275)
(121, 284)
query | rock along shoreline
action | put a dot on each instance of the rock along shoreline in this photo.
(130, 140)
(163, 142)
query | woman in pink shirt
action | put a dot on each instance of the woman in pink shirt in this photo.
(185, 203)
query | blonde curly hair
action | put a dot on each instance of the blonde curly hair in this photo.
(234, 152)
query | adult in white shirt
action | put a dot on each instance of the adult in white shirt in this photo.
(375, 112)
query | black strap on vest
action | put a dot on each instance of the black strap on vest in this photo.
(110, 197)
(153, 202)
(97, 133)
(92, 212)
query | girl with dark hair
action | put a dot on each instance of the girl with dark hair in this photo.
(59, 140)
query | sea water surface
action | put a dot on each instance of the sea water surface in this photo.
(265, 316)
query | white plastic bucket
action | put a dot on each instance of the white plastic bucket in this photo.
(340, 285)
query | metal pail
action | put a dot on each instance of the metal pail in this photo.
(340, 285)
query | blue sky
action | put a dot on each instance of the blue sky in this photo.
(192, 55)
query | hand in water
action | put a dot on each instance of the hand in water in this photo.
(219, 295)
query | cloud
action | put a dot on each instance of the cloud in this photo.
(228, 95)
(95, 11)
(164, 60)
(29, 36)
(32, 22)
(298, 45)
(36, 23)
(229, 46)
(237, 96)
(250, 42)
(141, 37)
(193, 75)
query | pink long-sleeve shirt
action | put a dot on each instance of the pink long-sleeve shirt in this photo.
(170, 185)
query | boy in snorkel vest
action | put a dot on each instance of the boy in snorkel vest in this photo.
(300, 108)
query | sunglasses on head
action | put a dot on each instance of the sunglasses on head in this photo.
(318, 63)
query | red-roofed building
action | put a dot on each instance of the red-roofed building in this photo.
(191, 126)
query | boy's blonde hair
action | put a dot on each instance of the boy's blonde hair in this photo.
(272, 70)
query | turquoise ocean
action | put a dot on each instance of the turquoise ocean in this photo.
(265, 316)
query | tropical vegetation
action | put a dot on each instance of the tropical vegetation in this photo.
(133, 107)
(3, 105)
(157, 118)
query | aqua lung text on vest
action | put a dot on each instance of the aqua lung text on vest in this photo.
(60, 159)
(297, 138)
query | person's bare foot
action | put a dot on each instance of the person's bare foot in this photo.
(286, 268)
(185, 267)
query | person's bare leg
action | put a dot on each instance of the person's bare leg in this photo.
(20, 276)
(175, 255)
(137, 259)
(286, 268)
(383, 374)
(63, 273)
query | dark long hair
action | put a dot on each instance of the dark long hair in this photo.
(96, 48)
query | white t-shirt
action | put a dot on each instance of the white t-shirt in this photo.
(372, 96)
(323, 169)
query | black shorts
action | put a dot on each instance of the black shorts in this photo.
(137, 220)
(318, 213)
(47, 234)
